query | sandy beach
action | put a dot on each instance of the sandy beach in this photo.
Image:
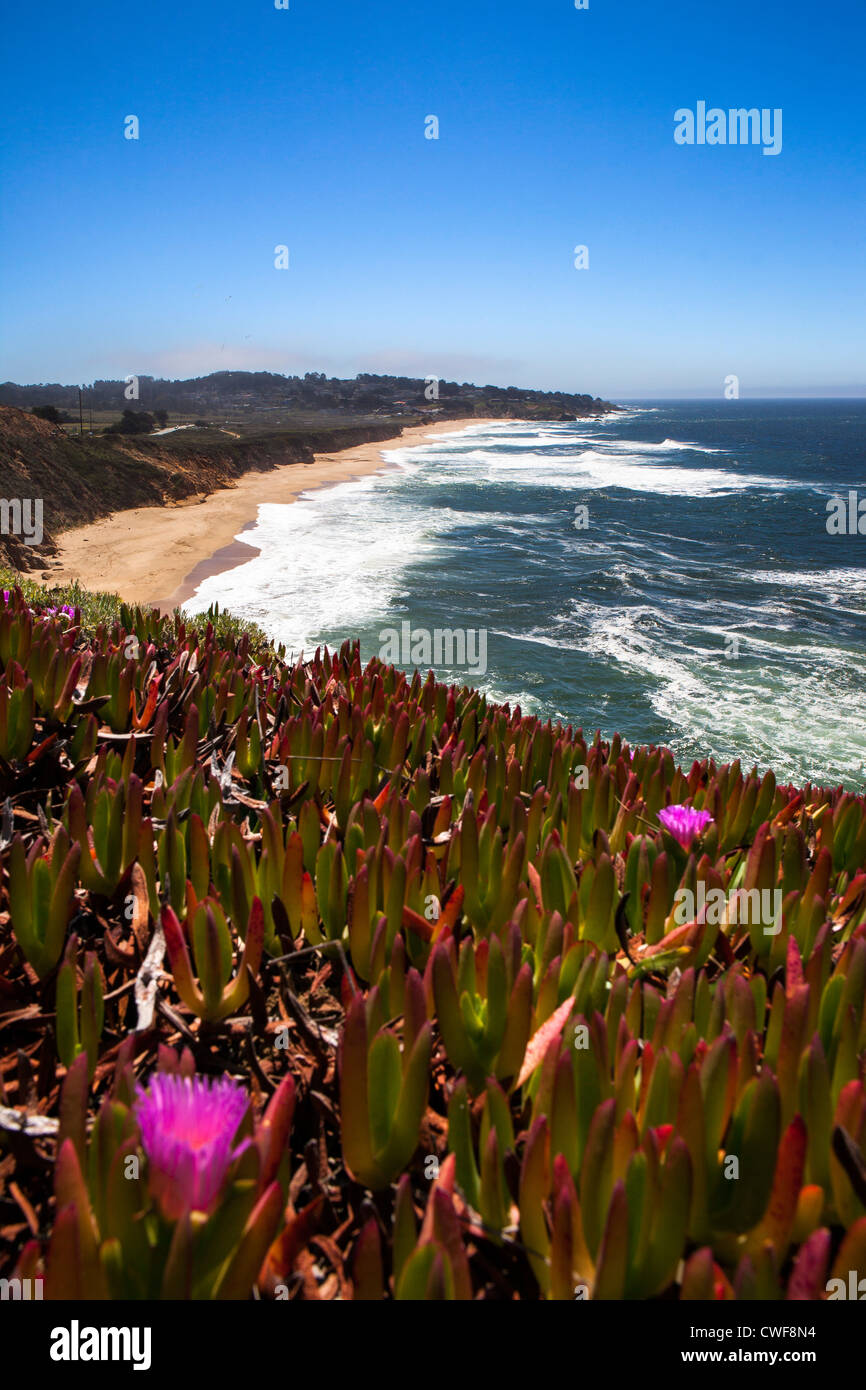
(160, 555)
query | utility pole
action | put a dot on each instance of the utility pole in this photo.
(80, 414)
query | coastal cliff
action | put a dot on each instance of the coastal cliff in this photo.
(81, 479)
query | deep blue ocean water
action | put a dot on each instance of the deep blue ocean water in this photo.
(705, 606)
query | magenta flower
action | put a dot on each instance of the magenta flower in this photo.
(188, 1125)
(684, 823)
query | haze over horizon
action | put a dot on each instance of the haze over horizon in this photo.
(453, 257)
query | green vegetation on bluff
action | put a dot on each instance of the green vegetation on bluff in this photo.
(434, 950)
(308, 400)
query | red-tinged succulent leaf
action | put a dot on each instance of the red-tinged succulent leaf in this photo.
(63, 703)
(64, 1272)
(719, 1085)
(662, 1135)
(788, 812)
(294, 1237)
(450, 914)
(272, 1135)
(405, 1227)
(36, 753)
(70, 1192)
(354, 1105)
(242, 1270)
(850, 1262)
(384, 1077)
(293, 876)
(782, 1208)
(178, 955)
(414, 922)
(62, 905)
(178, 1271)
(794, 966)
(447, 1234)
(29, 1260)
(854, 892)
(517, 1026)
(542, 1038)
(752, 1139)
(149, 709)
(596, 1175)
(691, 1127)
(422, 1276)
(669, 1220)
(612, 1264)
(535, 884)
(309, 911)
(368, 1275)
(254, 944)
(810, 1209)
(534, 1188)
(793, 1040)
(73, 1108)
(808, 1277)
(679, 939)
(698, 1282)
(410, 1108)
(570, 1262)
(449, 1015)
(212, 959)
(447, 1182)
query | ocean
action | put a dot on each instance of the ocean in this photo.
(666, 572)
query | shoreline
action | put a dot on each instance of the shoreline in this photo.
(158, 556)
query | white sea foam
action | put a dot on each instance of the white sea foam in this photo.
(782, 708)
(590, 468)
(340, 562)
(667, 446)
(851, 580)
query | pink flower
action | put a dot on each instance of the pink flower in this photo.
(684, 823)
(188, 1125)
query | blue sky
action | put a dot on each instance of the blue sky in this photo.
(452, 257)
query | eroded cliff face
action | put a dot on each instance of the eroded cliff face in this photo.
(79, 479)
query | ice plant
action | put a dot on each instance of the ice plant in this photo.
(462, 873)
(188, 1125)
(684, 823)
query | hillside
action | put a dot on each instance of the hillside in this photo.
(260, 395)
(82, 478)
(224, 425)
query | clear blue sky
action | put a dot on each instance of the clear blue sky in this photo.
(454, 257)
